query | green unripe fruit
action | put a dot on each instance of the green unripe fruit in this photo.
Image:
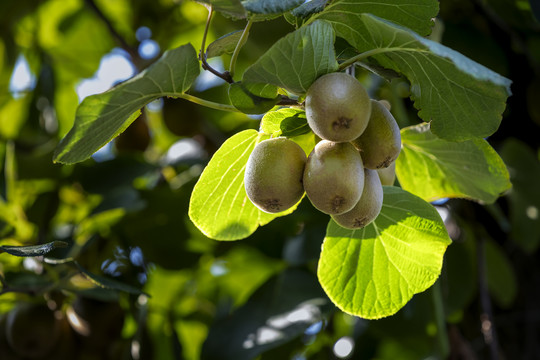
(386, 104)
(273, 177)
(32, 330)
(334, 177)
(388, 175)
(380, 143)
(337, 107)
(369, 206)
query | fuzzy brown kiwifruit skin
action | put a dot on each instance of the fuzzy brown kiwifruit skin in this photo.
(380, 143)
(334, 177)
(368, 207)
(337, 107)
(388, 174)
(273, 177)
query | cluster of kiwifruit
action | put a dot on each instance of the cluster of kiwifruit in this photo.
(342, 175)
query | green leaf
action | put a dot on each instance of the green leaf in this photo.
(219, 206)
(416, 15)
(373, 272)
(524, 197)
(501, 279)
(309, 8)
(433, 168)
(102, 117)
(270, 7)
(253, 98)
(33, 250)
(461, 98)
(108, 283)
(230, 8)
(224, 45)
(281, 310)
(297, 59)
(13, 114)
(285, 122)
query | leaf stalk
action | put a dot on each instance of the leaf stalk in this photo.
(239, 46)
(207, 103)
(202, 54)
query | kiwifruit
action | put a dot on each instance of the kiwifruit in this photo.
(337, 107)
(32, 330)
(388, 174)
(380, 143)
(334, 177)
(368, 207)
(273, 177)
(386, 104)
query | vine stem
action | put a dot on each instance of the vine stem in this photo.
(239, 46)
(202, 54)
(207, 103)
(369, 53)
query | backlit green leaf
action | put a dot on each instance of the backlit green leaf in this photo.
(102, 117)
(285, 122)
(219, 206)
(433, 168)
(296, 60)
(417, 15)
(461, 98)
(373, 272)
(13, 113)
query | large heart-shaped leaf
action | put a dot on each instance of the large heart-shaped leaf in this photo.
(433, 168)
(461, 98)
(219, 205)
(417, 15)
(373, 272)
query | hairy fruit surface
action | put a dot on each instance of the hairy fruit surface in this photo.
(273, 177)
(368, 207)
(334, 177)
(337, 107)
(380, 143)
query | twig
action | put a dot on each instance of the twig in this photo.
(286, 101)
(239, 45)
(202, 54)
(486, 317)
(119, 38)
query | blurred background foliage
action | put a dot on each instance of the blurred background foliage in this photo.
(139, 281)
